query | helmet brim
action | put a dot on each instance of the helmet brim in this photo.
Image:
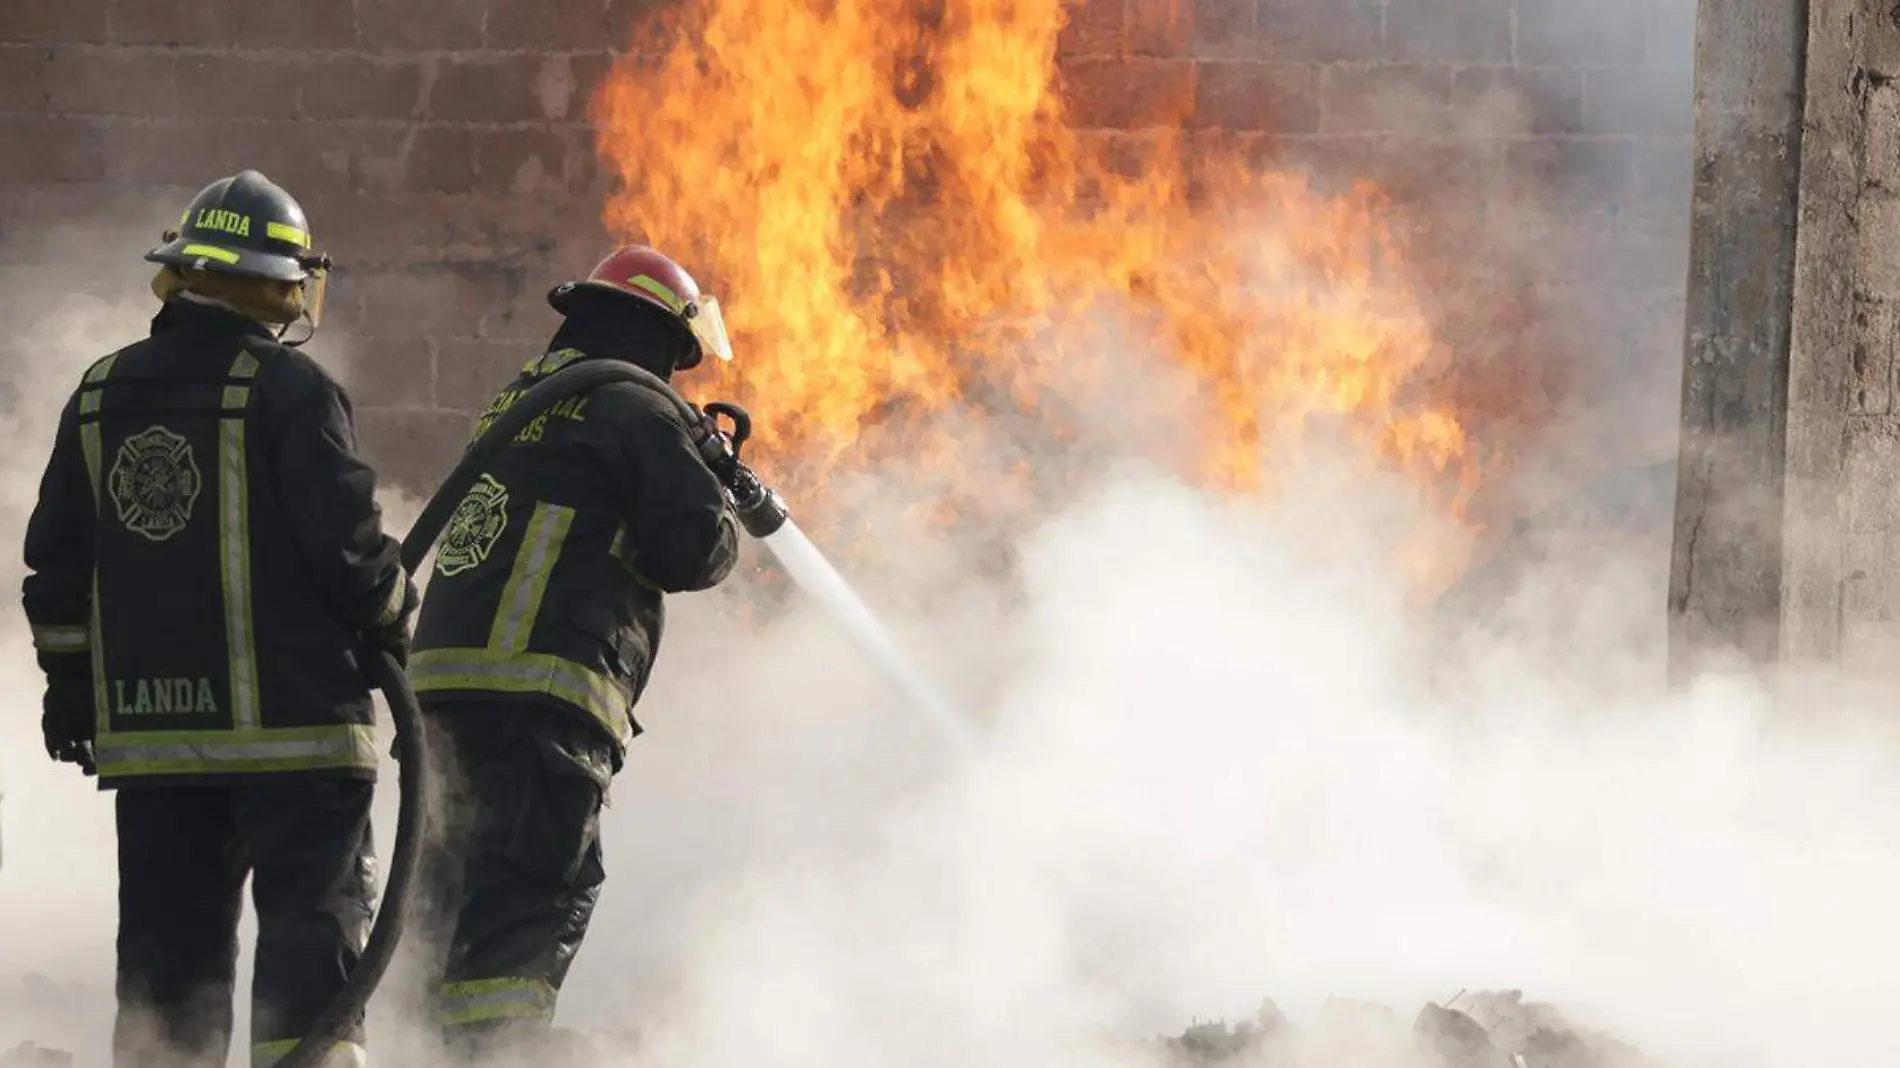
(199, 254)
(558, 297)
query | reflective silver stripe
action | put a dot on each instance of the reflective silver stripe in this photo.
(54, 639)
(341, 1055)
(440, 670)
(234, 553)
(216, 751)
(481, 1000)
(528, 581)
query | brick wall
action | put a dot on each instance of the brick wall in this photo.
(441, 150)
(1539, 149)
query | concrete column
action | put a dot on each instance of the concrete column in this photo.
(1788, 512)
(1841, 582)
(1725, 584)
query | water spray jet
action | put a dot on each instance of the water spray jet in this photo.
(764, 515)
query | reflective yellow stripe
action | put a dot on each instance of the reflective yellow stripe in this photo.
(128, 753)
(234, 554)
(494, 670)
(101, 714)
(89, 444)
(618, 550)
(659, 290)
(238, 397)
(548, 363)
(342, 1055)
(528, 581)
(211, 252)
(481, 1000)
(281, 232)
(392, 605)
(57, 639)
(90, 398)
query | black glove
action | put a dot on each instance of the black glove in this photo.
(393, 637)
(66, 719)
(716, 449)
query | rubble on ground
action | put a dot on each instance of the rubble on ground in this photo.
(1486, 1030)
(33, 1004)
(29, 1055)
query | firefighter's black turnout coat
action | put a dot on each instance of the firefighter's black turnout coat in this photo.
(207, 541)
(549, 581)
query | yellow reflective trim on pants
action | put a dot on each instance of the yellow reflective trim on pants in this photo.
(128, 753)
(341, 1055)
(234, 554)
(482, 1000)
(58, 639)
(528, 580)
(497, 671)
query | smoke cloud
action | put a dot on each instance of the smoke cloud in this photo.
(1222, 756)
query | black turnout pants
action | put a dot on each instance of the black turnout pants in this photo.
(184, 854)
(515, 871)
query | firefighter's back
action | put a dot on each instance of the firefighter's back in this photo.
(218, 653)
(539, 593)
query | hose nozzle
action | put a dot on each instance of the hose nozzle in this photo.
(761, 510)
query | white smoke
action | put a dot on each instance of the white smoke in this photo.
(1226, 766)
(1221, 759)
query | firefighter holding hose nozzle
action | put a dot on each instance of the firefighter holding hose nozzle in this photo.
(540, 626)
(207, 566)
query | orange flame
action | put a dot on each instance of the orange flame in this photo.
(901, 224)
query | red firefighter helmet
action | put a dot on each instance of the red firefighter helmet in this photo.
(649, 276)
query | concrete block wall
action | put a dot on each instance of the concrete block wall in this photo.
(442, 151)
(1840, 527)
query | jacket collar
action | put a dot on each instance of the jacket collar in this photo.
(185, 315)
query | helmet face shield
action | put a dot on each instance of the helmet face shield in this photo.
(709, 327)
(315, 284)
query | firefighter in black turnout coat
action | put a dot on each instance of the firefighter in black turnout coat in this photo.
(538, 630)
(207, 563)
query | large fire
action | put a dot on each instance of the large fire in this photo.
(903, 225)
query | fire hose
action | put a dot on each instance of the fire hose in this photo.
(760, 510)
